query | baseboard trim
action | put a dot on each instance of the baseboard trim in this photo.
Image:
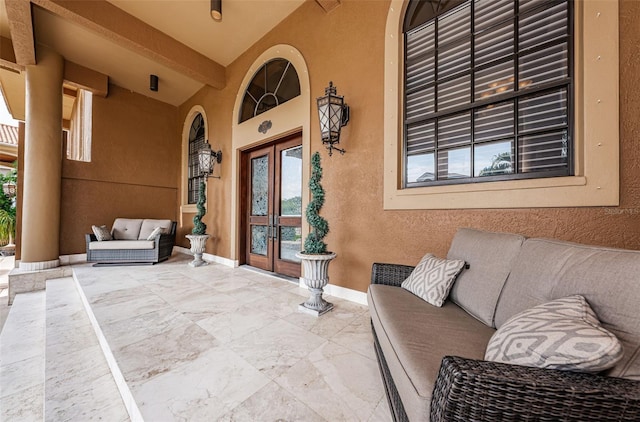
(40, 265)
(342, 293)
(209, 257)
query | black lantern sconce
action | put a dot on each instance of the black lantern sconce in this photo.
(207, 159)
(216, 10)
(333, 114)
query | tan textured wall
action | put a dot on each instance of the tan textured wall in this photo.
(134, 169)
(349, 51)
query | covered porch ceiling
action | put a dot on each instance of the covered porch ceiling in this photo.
(128, 40)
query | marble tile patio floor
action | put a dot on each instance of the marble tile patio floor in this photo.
(218, 343)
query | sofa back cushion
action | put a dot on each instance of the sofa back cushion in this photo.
(609, 279)
(148, 225)
(126, 228)
(489, 257)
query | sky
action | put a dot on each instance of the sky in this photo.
(5, 117)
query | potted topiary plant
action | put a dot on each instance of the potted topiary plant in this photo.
(198, 236)
(315, 258)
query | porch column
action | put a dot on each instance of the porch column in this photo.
(40, 247)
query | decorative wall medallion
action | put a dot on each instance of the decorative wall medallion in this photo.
(264, 126)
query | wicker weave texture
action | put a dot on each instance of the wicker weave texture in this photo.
(390, 274)
(471, 391)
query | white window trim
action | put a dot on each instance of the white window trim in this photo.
(185, 207)
(596, 127)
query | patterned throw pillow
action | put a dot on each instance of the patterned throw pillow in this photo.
(432, 278)
(561, 334)
(101, 232)
(155, 232)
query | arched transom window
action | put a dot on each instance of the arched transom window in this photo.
(196, 142)
(276, 82)
(488, 90)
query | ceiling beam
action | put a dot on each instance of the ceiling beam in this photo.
(21, 28)
(8, 56)
(130, 32)
(84, 78)
(328, 5)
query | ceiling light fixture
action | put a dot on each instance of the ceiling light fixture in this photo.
(153, 82)
(216, 10)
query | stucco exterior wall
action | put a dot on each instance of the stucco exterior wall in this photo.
(134, 168)
(346, 46)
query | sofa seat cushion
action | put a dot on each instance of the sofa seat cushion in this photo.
(415, 336)
(126, 228)
(122, 244)
(148, 225)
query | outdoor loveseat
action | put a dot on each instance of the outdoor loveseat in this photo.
(432, 359)
(139, 241)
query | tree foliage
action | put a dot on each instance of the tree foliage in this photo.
(314, 244)
(7, 209)
(199, 227)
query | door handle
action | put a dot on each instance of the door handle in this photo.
(270, 227)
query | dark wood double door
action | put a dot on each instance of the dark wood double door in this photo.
(273, 206)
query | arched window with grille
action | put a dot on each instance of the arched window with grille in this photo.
(488, 90)
(275, 83)
(196, 143)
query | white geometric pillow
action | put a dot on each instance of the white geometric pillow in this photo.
(101, 232)
(432, 278)
(562, 334)
(155, 232)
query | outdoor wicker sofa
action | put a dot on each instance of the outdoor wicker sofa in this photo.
(431, 359)
(131, 243)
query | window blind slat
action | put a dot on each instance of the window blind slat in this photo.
(543, 152)
(543, 25)
(422, 137)
(544, 66)
(454, 58)
(491, 12)
(542, 112)
(494, 44)
(454, 92)
(494, 80)
(454, 25)
(493, 122)
(454, 130)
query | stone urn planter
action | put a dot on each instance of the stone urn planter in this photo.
(198, 243)
(316, 277)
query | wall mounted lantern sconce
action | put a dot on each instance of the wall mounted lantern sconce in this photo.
(10, 189)
(207, 159)
(333, 114)
(216, 10)
(153, 83)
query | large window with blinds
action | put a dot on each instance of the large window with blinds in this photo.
(196, 143)
(488, 90)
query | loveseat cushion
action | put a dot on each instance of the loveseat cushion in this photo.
(126, 228)
(148, 225)
(609, 279)
(415, 336)
(489, 257)
(122, 244)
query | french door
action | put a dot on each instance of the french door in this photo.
(274, 207)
